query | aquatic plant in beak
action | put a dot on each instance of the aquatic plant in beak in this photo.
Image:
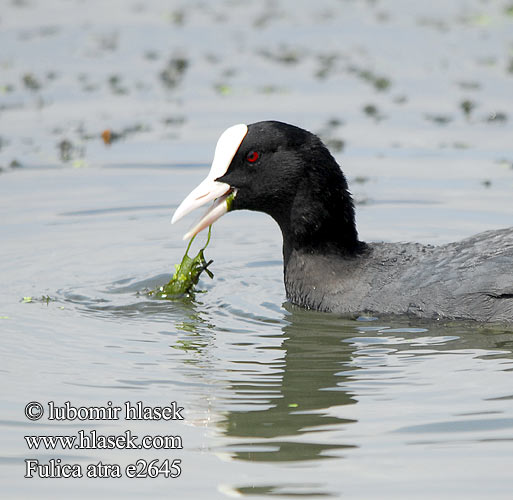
(187, 273)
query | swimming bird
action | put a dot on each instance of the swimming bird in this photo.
(288, 173)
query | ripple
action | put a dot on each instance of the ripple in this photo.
(116, 210)
(478, 425)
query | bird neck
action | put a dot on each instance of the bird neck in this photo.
(320, 221)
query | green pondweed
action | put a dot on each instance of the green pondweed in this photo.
(187, 273)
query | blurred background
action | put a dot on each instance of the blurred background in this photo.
(374, 78)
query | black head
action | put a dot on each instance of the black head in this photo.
(288, 173)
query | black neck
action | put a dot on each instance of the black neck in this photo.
(320, 221)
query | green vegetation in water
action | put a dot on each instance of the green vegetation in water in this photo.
(467, 107)
(46, 299)
(187, 274)
(373, 112)
(328, 135)
(379, 82)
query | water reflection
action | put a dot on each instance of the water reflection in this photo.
(299, 408)
(282, 388)
(309, 384)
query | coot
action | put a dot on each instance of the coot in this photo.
(288, 173)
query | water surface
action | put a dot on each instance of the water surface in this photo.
(277, 401)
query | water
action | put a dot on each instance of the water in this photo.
(277, 401)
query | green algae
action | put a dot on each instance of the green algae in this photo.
(45, 299)
(187, 274)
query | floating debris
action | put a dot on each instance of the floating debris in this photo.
(467, 107)
(334, 123)
(328, 132)
(69, 151)
(379, 82)
(326, 65)
(439, 119)
(115, 85)
(334, 144)
(174, 72)
(372, 111)
(65, 150)
(282, 55)
(174, 120)
(497, 117)
(31, 82)
(223, 89)
(44, 299)
(109, 136)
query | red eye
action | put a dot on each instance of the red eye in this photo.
(252, 156)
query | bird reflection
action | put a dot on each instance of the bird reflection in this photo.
(301, 391)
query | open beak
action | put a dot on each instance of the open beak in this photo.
(210, 189)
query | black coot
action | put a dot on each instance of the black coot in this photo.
(288, 173)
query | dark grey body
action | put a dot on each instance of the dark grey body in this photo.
(470, 279)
